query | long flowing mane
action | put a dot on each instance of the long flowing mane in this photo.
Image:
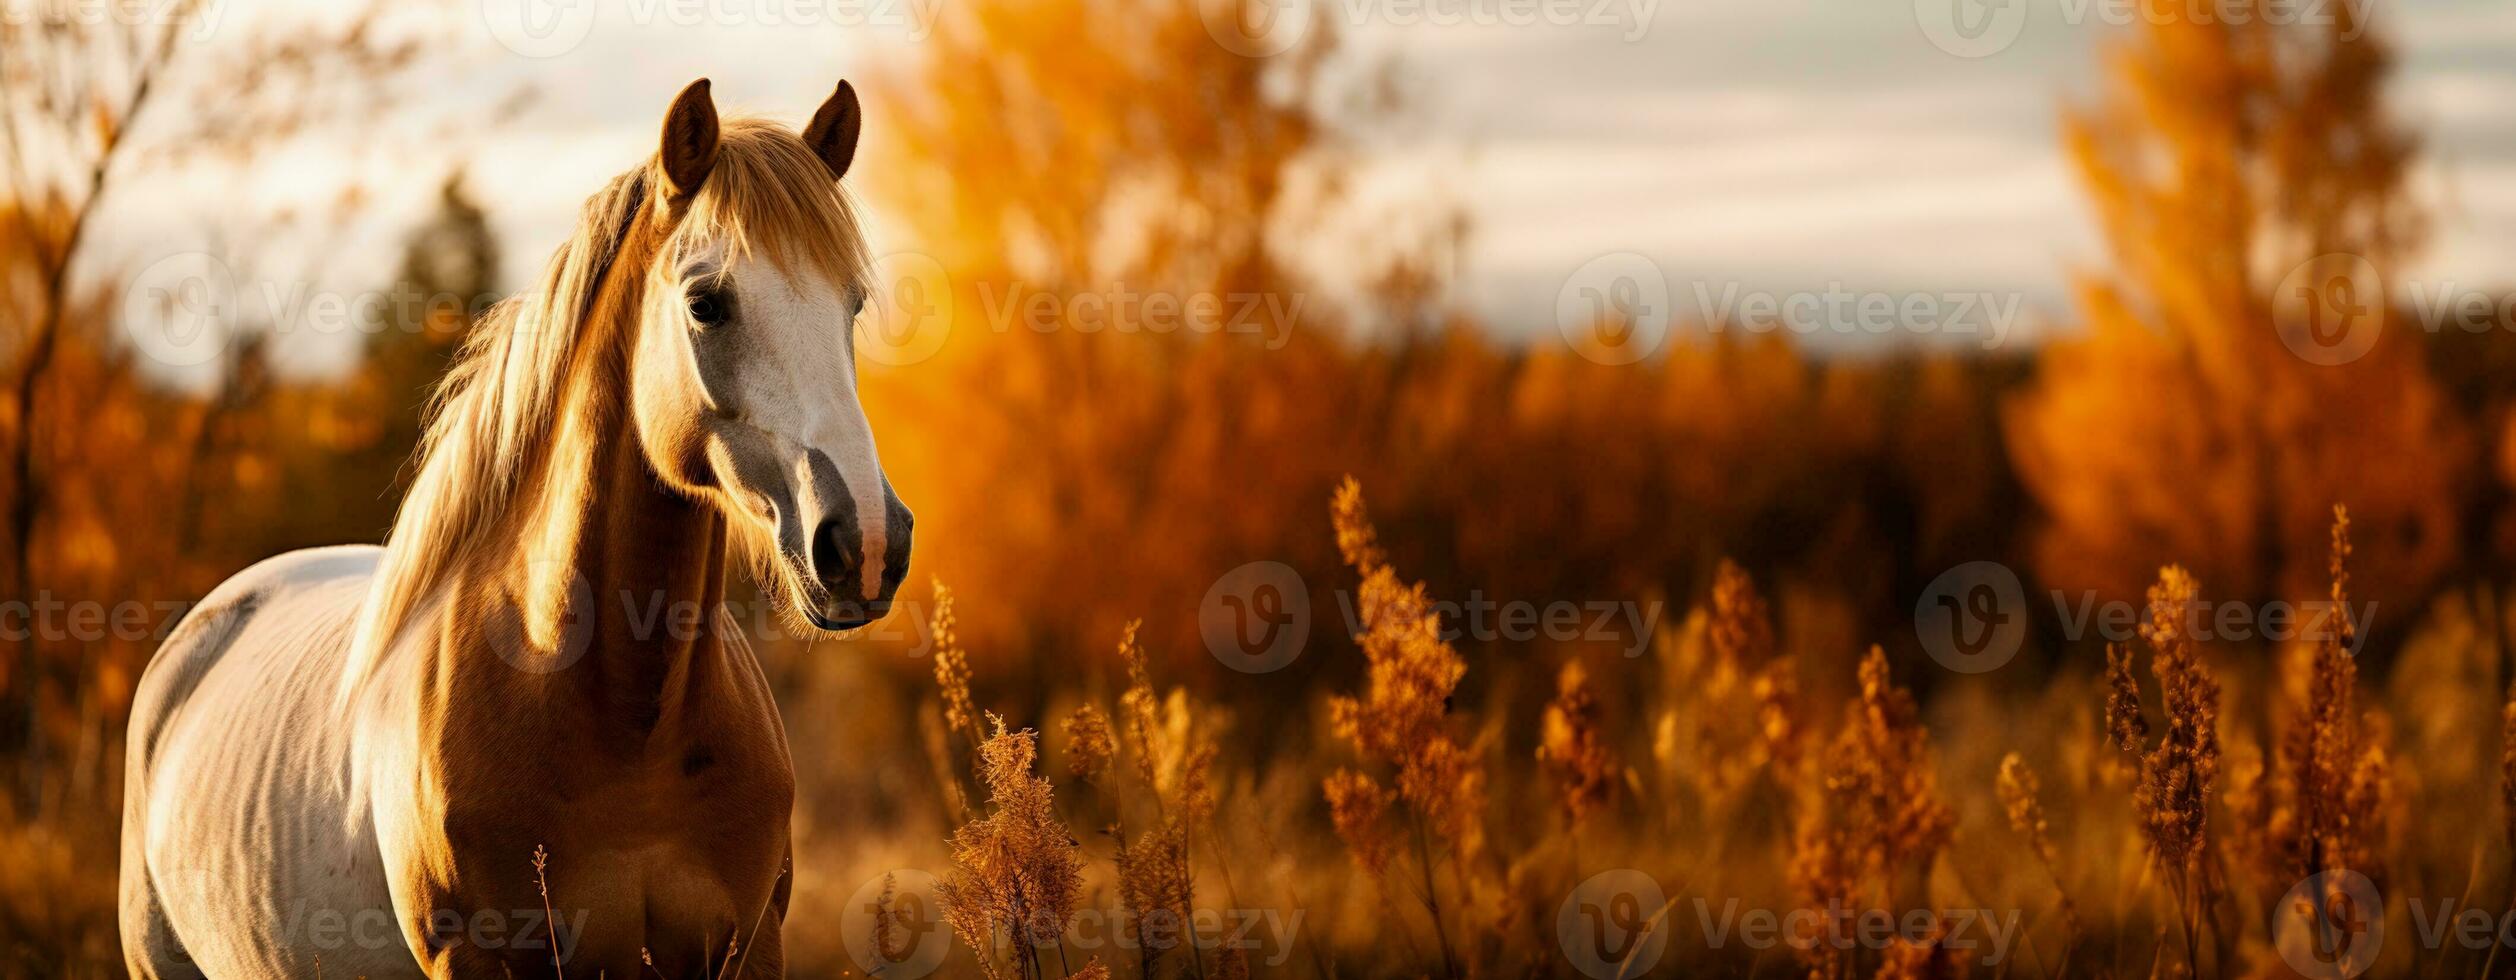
(493, 419)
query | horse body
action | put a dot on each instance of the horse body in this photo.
(238, 816)
(519, 740)
(310, 848)
(640, 754)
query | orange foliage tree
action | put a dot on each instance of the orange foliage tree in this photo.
(2182, 426)
(1078, 180)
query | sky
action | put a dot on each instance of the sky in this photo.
(1729, 146)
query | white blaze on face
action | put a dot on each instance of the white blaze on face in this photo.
(798, 382)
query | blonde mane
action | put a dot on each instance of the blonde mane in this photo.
(493, 419)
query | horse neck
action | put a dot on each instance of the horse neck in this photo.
(653, 565)
(637, 568)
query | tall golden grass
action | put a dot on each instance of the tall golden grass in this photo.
(1428, 846)
(1093, 794)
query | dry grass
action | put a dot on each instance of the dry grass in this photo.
(1416, 846)
(2139, 817)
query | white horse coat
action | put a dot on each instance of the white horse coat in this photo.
(248, 824)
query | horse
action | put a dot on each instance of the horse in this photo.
(521, 738)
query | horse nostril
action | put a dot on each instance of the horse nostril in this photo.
(830, 554)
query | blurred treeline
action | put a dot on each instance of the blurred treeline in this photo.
(1069, 481)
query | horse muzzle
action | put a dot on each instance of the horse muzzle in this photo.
(859, 573)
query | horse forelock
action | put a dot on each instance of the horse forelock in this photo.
(770, 195)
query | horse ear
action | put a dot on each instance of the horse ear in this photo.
(689, 149)
(834, 129)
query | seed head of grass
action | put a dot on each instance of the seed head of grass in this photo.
(1401, 720)
(1139, 706)
(952, 669)
(2022, 801)
(1572, 748)
(1873, 814)
(1742, 625)
(1154, 884)
(2332, 778)
(2125, 728)
(2019, 790)
(1359, 807)
(891, 940)
(2173, 794)
(1089, 743)
(1016, 871)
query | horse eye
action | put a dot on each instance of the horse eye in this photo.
(707, 307)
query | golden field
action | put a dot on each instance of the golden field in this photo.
(1585, 668)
